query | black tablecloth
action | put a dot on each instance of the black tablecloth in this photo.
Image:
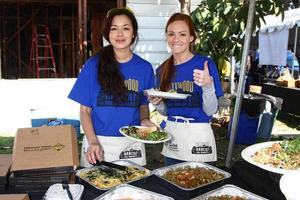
(290, 96)
(243, 174)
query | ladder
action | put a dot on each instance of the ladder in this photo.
(41, 53)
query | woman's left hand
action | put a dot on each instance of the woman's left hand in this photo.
(202, 77)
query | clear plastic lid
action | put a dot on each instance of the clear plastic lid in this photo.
(56, 191)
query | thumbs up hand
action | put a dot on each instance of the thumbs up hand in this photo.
(202, 77)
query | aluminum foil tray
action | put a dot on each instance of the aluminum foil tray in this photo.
(119, 162)
(161, 171)
(229, 190)
(126, 191)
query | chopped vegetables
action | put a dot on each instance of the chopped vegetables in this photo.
(145, 133)
(192, 177)
(283, 155)
(105, 179)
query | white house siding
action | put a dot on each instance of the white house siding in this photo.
(152, 16)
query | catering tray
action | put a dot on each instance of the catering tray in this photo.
(126, 191)
(80, 173)
(229, 190)
(161, 171)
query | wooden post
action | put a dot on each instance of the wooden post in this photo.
(19, 42)
(61, 54)
(79, 36)
(73, 43)
(84, 32)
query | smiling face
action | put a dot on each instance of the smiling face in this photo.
(179, 37)
(121, 32)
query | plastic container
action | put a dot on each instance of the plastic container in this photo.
(56, 122)
(56, 191)
(246, 129)
(266, 122)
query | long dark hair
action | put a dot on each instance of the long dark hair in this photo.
(167, 71)
(110, 78)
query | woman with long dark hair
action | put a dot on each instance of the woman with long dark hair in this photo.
(185, 72)
(110, 92)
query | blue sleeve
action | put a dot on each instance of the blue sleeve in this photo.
(215, 74)
(149, 83)
(81, 89)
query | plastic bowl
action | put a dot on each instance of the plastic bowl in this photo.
(289, 185)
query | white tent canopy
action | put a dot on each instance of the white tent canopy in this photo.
(273, 23)
(273, 38)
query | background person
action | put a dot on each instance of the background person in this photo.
(110, 92)
(187, 120)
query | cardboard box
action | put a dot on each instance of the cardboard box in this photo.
(5, 162)
(14, 197)
(45, 147)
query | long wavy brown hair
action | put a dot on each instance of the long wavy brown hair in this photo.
(168, 70)
(110, 78)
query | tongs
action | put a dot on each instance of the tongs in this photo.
(110, 165)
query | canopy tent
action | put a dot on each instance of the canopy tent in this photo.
(274, 25)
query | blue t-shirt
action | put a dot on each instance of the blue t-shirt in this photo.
(184, 83)
(108, 117)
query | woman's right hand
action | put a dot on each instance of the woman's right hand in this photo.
(94, 153)
(154, 100)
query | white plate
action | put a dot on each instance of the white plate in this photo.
(249, 152)
(166, 95)
(144, 141)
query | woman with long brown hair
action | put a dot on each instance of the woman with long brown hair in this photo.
(188, 120)
(110, 92)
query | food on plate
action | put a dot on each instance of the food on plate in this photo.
(192, 177)
(283, 155)
(112, 177)
(170, 91)
(145, 133)
(226, 197)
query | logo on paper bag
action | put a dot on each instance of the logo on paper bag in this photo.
(58, 147)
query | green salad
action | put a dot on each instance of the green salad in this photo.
(145, 134)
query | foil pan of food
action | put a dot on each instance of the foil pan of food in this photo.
(229, 192)
(105, 178)
(129, 192)
(191, 175)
